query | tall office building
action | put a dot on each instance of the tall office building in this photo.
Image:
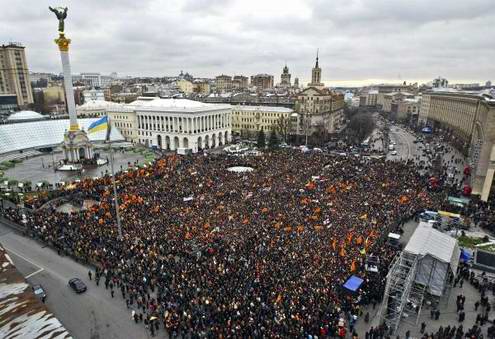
(14, 74)
(262, 81)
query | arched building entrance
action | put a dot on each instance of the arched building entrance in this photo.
(159, 141)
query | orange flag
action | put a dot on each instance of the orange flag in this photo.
(342, 252)
(359, 240)
(334, 244)
(311, 185)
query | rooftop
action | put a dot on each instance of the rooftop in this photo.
(98, 104)
(263, 108)
(45, 133)
(428, 241)
(26, 115)
(171, 105)
(22, 315)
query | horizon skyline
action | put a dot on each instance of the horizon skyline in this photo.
(359, 42)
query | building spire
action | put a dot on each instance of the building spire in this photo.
(317, 50)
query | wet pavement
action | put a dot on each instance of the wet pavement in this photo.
(40, 168)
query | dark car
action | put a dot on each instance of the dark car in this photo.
(39, 291)
(77, 285)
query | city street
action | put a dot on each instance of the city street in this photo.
(93, 314)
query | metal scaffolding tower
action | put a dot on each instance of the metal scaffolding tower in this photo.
(403, 298)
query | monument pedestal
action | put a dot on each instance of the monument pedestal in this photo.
(77, 146)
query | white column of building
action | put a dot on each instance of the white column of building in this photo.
(487, 184)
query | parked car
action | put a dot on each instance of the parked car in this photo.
(39, 291)
(394, 153)
(77, 285)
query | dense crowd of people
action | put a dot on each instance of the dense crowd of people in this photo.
(216, 253)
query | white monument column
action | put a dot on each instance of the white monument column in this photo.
(63, 45)
(76, 144)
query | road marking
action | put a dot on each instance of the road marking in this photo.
(22, 257)
(36, 272)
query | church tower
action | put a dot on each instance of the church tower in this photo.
(316, 75)
(285, 77)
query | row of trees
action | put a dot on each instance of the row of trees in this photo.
(273, 141)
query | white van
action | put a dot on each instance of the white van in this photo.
(184, 151)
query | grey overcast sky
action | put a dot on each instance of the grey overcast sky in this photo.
(360, 41)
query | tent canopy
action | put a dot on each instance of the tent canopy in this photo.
(426, 130)
(353, 283)
(428, 241)
(437, 253)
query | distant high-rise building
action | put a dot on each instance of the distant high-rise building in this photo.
(316, 75)
(296, 82)
(93, 95)
(440, 83)
(92, 79)
(14, 74)
(240, 81)
(262, 81)
(223, 83)
(285, 77)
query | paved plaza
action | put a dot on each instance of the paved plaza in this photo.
(40, 168)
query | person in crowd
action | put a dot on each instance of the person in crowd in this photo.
(214, 253)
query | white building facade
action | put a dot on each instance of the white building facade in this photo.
(93, 94)
(172, 124)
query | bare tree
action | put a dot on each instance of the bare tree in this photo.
(360, 126)
(320, 135)
(283, 126)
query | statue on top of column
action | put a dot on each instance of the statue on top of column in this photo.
(61, 13)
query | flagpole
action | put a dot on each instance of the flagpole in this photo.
(115, 196)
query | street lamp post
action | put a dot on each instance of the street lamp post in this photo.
(115, 196)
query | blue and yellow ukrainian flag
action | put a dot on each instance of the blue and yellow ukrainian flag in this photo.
(98, 125)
